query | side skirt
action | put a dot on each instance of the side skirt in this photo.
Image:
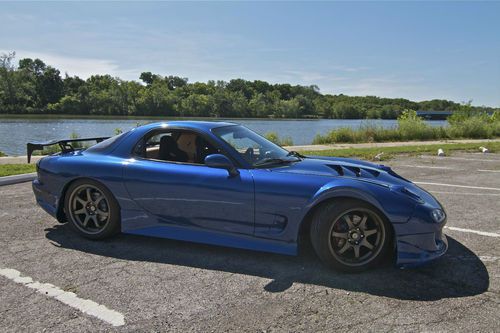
(216, 238)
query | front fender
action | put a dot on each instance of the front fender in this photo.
(328, 192)
(396, 207)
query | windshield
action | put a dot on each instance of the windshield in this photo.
(255, 149)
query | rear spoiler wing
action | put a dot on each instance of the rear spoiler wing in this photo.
(65, 145)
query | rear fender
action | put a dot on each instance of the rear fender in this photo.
(61, 214)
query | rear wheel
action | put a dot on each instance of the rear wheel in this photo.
(91, 209)
(350, 235)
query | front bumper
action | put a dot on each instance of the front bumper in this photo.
(420, 240)
(411, 253)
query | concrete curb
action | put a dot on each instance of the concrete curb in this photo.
(16, 179)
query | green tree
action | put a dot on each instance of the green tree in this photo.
(47, 81)
(156, 100)
(8, 87)
(344, 110)
(35, 87)
(195, 105)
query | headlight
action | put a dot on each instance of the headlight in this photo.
(438, 215)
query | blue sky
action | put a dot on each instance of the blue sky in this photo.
(392, 49)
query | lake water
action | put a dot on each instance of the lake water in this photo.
(16, 132)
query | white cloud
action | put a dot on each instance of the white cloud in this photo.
(306, 76)
(350, 69)
(79, 66)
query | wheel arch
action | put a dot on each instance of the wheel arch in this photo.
(336, 195)
(61, 214)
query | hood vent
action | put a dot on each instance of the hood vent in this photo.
(337, 168)
(348, 170)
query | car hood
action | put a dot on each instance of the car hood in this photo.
(358, 171)
(344, 167)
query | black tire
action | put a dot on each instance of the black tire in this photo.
(339, 227)
(94, 217)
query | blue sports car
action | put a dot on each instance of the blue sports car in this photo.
(220, 183)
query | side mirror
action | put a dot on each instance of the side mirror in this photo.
(220, 161)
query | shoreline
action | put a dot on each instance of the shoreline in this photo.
(123, 117)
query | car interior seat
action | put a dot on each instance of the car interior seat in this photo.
(169, 151)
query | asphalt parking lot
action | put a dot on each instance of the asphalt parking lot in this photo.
(150, 284)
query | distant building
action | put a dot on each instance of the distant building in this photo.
(434, 115)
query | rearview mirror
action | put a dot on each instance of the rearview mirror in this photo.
(220, 161)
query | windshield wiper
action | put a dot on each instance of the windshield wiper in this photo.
(296, 154)
(273, 160)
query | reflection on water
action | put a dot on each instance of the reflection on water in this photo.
(15, 132)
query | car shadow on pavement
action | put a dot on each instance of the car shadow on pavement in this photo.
(459, 273)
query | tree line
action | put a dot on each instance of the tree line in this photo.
(33, 87)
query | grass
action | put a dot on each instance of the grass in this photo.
(390, 152)
(273, 137)
(412, 128)
(16, 169)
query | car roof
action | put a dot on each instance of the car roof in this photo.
(193, 124)
(122, 147)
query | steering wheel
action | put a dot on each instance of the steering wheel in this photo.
(249, 155)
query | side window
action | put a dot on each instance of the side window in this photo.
(152, 146)
(176, 146)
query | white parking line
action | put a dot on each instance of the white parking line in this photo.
(482, 233)
(484, 170)
(460, 186)
(428, 167)
(488, 258)
(84, 305)
(468, 193)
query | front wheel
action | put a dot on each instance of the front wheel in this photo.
(350, 235)
(91, 209)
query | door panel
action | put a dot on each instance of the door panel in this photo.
(192, 195)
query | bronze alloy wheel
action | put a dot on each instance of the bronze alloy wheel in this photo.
(89, 209)
(350, 235)
(356, 237)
